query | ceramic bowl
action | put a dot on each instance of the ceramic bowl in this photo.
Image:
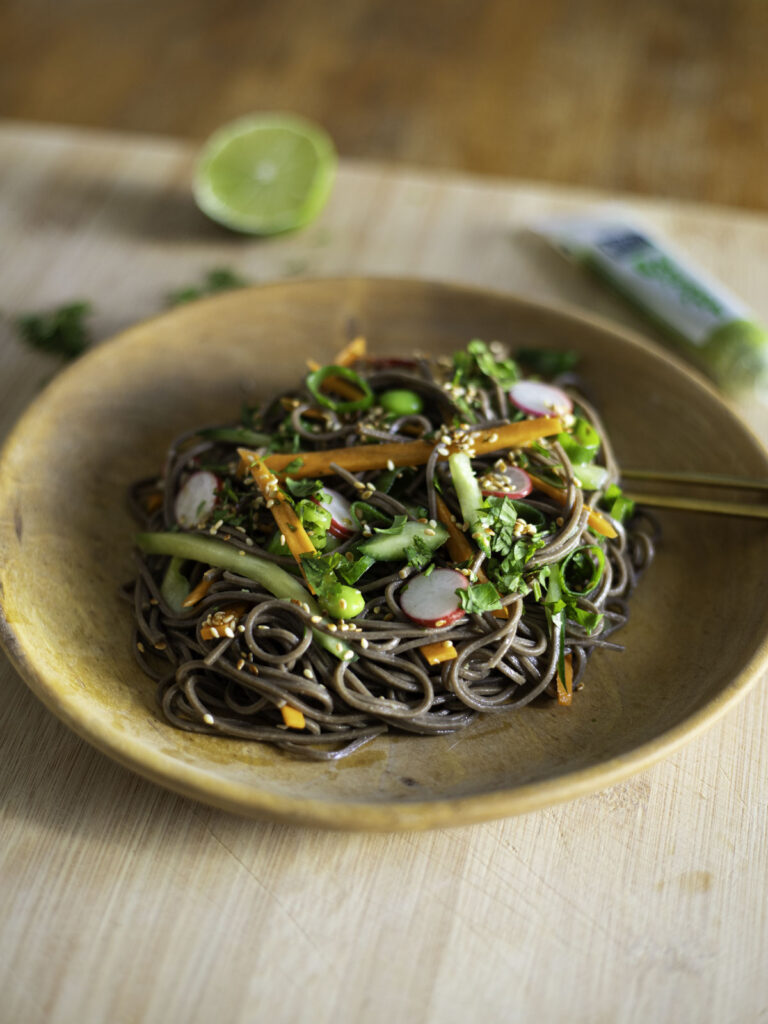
(696, 638)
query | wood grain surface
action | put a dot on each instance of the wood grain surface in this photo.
(125, 903)
(655, 97)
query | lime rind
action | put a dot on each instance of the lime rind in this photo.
(264, 174)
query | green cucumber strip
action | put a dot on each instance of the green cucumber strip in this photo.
(390, 547)
(175, 586)
(591, 477)
(215, 552)
(470, 496)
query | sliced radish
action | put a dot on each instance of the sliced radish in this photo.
(197, 498)
(508, 483)
(539, 399)
(432, 600)
(342, 523)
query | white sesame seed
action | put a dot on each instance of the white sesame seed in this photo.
(364, 644)
(208, 719)
(429, 532)
(282, 539)
(390, 465)
(316, 618)
(140, 646)
(308, 673)
(240, 663)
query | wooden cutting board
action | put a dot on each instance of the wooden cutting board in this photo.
(123, 902)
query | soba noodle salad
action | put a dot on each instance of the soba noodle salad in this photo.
(394, 545)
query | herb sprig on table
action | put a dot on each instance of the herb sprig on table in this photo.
(63, 330)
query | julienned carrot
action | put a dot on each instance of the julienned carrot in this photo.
(460, 549)
(597, 522)
(198, 592)
(288, 523)
(359, 458)
(356, 349)
(292, 717)
(565, 686)
(443, 650)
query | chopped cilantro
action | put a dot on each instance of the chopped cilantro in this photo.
(418, 553)
(219, 279)
(304, 488)
(483, 597)
(503, 371)
(60, 332)
(546, 362)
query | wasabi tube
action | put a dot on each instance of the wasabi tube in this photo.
(711, 326)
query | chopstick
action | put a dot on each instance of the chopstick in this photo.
(746, 509)
(701, 479)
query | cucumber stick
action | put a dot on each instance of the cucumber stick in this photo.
(470, 496)
(215, 552)
(391, 547)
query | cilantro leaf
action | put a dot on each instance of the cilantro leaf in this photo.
(61, 331)
(483, 597)
(305, 488)
(218, 279)
(504, 371)
(419, 553)
(546, 362)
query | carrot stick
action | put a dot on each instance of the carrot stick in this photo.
(597, 522)
(198, 592)
(460, 549)
(354, 350)
(288, 523)
(565, 686)
(292, 717)
(358, 458)
(443, 650)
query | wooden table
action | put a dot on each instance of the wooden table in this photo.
(124, 903)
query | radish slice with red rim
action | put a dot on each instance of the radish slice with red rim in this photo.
(511, 482)
(432, 600)
(342, 523)
(537, 399)
(197, 498)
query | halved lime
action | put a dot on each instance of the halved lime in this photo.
(265, 173)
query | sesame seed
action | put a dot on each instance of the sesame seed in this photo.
(429, 532)
(262, 626)
(390, 465)
(208, 719)
(140, 646)
(228, 631)
(364, 644)
(342, 604)
(241, 629)
(240, 663)
(316, 618)
(308, 673)
(332, 626)
(440, 622)
(282, 539)
(348, 656)
(402, 573)
(241, 554)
